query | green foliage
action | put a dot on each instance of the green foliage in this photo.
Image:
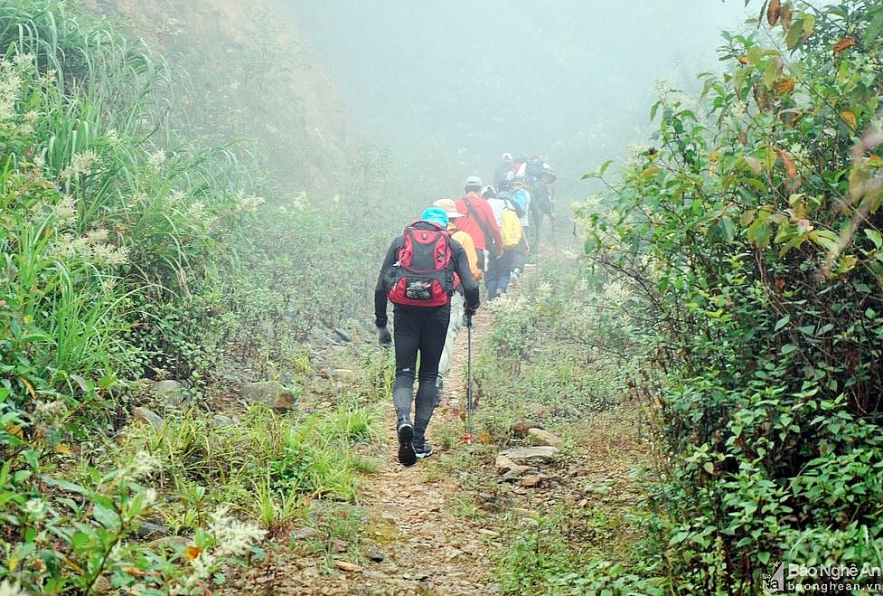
(559, 555)
(750, 232)
(288, 458)
(66, 534)
(561, 343)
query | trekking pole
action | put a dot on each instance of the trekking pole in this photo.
(467, 438)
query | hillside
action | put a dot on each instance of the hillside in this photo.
(252, 77)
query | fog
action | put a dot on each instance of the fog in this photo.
(572, 80)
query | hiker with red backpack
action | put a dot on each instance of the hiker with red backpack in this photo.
(417, 276)
(479, 222)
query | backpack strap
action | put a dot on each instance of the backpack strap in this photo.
(488, 235)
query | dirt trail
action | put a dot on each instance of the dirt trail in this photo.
(435, 551)
(411, 539)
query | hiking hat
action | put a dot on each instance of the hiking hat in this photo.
(449, 207)
(436, 216)
(473, 182)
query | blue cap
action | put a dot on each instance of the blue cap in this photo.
(436, 216)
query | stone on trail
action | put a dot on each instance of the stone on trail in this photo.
(539, 436)
(529, 454)
(270, 393)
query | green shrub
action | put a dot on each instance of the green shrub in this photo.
(751, 233)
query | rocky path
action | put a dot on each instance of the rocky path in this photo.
(411, 539)
(432, 550)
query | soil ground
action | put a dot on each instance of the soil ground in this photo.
(436, 528)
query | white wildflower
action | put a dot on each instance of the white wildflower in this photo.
(49, 77)
(248, 204)
(150, 496)
(543, 292)
(108, 254)
(25, 60)
(112, 136)
(65, 210)
(138, 198)
(591, 204)
(299, 202)
(9, 86)
(176, 198)
(196, 212)
(202, 567)
(157, 159)
(232, 537)
(96, 236)
(83, 162)
(11, 589)
(142, 464)
(50, 409)
(35, 508)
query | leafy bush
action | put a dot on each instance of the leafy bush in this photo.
(751, 232)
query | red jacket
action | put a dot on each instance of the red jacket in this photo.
(476, 228)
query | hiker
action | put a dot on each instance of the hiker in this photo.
(478, 221)
(500, 269)
(457, 300)
(540, 179)
(503, 173)
(521, 198)
(421, 310)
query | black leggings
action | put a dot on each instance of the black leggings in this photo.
(423, 331)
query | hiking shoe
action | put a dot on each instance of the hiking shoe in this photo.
(424, 450)
(406, 448)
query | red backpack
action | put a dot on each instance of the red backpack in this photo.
(424, 273)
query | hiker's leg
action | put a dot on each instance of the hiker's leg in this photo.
(447, 358)
(505, 271)
(492, 277)
(431, 346)
(407, 322)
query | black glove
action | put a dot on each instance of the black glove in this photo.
(384, 337)
(470, 310)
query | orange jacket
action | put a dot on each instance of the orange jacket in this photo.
(465, 241)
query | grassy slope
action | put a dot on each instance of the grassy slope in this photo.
(253, 76)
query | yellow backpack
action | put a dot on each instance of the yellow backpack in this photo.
(510, 229)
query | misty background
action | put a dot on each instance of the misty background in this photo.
(570, 80)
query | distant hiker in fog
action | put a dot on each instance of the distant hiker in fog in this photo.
(478, 221)
(417, 276)
(521, 198)
(457, 300)
(503, 173)
(499, 269)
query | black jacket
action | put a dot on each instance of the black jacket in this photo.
(461, 267)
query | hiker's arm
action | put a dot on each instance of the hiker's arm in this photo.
(470, 286)
(495, 229)
(468, 245)
(380, 299)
